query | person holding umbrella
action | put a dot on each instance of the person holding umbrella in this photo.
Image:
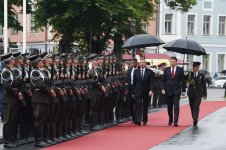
(173, 84)
(142, 90)
(196, 90)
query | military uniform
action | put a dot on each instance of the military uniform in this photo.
(196, 90)
(23, 117)
(40, 102)
(10, 104)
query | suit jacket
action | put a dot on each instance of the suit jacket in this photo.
(197, 85)
(176, 85)
(142, 86)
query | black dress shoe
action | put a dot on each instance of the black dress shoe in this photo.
(175, 124)
(145, 123)
(138, 123)
(195, 123)
(61, 139)
(170, 123)
(41, 144)
(9, 145)
(50, 142)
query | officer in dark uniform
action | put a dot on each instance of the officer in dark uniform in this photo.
(23, 120)
(50, 133)
(40, 100)
(56, 83)
(12, 97)
(98, 92)
(29, 118)
(196, 90)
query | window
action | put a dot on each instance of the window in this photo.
(221, 59)
(145, 27)
(205, 62)
(32, 24)
(14, 30)
(222, 26)
(1, 30)
(191, 25)
(168, 23)
(190, 62)
(207, 4)
(206, 25)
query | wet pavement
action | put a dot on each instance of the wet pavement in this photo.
(208, 135)
(191, 136)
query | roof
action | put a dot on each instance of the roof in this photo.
(155, 56)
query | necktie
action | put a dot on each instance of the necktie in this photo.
(195, 74)
(142, 74)
(172, 73)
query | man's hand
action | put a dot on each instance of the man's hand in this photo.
(163, 92)
(133, 96)
(53, 93)
(20, 96)
(150, 93)
(204, 97)
(30, 93)
(73, 77)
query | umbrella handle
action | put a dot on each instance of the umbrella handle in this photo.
(183, 62)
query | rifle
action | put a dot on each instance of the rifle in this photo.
(60, 67)
(86, 67)
(23, 67)
(71, 69)
(52, 66)
(103, 67)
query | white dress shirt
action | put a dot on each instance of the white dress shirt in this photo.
(175, 68)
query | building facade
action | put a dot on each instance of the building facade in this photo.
(36, 39)
(205, 23)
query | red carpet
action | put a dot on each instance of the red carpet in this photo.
(128, 137)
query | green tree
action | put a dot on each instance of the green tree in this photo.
(12, 22)
(95, 22)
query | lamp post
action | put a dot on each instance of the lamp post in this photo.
(24, 25)
(133, 30)
(5, 26)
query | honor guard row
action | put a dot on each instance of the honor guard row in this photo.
(51, 98)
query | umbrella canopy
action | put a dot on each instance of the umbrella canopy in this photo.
(185, 47)
(142, 41)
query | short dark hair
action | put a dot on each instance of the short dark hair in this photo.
(173, 58)
(134, 59)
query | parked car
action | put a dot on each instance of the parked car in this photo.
(224, 86)
(219, 81)
(207, 76)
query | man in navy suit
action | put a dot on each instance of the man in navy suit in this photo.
(173, 84)
(129, 79)
(142, 90)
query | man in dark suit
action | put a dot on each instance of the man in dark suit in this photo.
(196, 90)
(129, 80)
(142, 90)
(173, 84)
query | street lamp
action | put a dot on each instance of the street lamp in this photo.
(133, 30)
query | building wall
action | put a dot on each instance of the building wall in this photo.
(214, 44)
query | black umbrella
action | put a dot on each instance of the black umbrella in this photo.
(142, 41)
(185, 47)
